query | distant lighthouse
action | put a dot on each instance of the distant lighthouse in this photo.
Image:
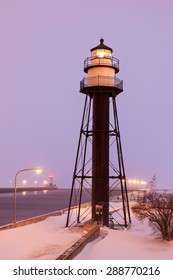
(98, 170)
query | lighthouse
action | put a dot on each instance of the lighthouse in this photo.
(98, 169)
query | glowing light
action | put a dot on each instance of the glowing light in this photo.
(38, 169)
(24, 193)
(143, 183)
(134, 181)
(45, 182)
(101, 54)
(138, 182)
(24, 182)
(44, 191)
(35, 182)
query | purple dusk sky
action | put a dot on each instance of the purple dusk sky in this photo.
(43, 46)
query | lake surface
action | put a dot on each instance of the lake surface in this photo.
(31, 204)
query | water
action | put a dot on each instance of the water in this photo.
(31, 204)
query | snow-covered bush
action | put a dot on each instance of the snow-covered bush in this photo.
(158, 209)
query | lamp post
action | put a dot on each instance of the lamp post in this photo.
(38, 170)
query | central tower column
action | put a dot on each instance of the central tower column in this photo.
(100, 153)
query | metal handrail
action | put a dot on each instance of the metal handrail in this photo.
(101, 81)
(101, 61)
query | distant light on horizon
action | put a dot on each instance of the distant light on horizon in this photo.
(138, 182)
(143, 183)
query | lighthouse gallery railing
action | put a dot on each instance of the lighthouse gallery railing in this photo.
(101, 61)
(101, 81)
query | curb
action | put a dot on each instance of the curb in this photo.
(76, 248)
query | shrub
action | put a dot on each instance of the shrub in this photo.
(158, 209)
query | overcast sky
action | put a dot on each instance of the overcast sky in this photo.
(42, 49)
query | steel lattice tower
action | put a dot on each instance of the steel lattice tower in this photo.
(99, 167)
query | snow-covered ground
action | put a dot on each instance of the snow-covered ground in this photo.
(137, 243)
(43, 240)
(49, 238)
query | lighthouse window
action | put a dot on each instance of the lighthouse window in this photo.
(104, 53)
(101, 54)
(93, 54)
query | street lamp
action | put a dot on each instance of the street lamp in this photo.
(38, 170)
